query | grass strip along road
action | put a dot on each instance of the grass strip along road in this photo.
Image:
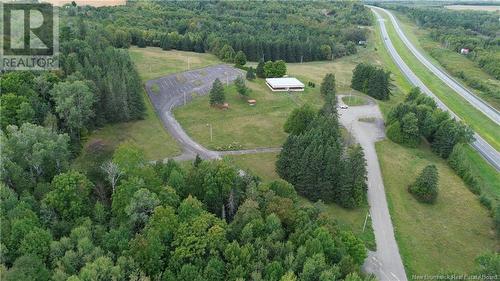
(479, 122)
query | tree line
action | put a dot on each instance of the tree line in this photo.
(475, 30)
(371, 80)
(294, 32)
(314, 158)
(137, 220)
(419, 117)
(97, 85)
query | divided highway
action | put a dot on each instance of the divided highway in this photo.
(477, 102)
(484, 148)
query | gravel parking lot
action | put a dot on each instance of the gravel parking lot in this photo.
(173, 90)
(177, 89)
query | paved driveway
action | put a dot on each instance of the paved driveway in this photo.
(386, 262)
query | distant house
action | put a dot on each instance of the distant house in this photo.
(464, 51)
(285, 84)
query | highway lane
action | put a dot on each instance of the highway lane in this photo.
(484, 148)
(474, 100)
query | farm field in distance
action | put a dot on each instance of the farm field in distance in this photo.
(482, 8)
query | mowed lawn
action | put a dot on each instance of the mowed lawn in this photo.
(243, 126)
(473, 117)
(263, 165)
(154, 62)
(444, 237)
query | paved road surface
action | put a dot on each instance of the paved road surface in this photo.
(386, 262)
(477, 102)
(484, 148)
(178, 89)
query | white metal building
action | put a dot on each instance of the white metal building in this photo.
(284, 84)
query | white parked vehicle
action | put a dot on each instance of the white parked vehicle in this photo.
(344, 106)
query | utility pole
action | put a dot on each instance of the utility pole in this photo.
(366, 219)
(211, 133)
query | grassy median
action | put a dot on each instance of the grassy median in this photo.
(480, 123)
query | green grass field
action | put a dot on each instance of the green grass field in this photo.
(147, 134)
(432, 239)
(354, 100)
(451, 61)
(154, 62)
(241, 125)
(474, 118)
(263, 164)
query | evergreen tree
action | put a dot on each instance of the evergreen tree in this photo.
(250, 74)
(354, 187)
(217, 95)
(328, 85)
(299, 120)
(260, 70)
(425, 188)
(227, 53)
(240, 58)
(241, 87)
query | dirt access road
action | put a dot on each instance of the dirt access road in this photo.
(386, 262)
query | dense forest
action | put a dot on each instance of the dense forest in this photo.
(474, 30)
(298, 31)
(136, 220)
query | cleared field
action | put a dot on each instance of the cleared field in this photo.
(451, 61)
(444, 237)
(474, 8)
(342, 68)
(153, 62)
(473, 117)
(242, 126)
(263, 164)
(149, 134)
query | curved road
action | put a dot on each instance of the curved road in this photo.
(175, 90)
(484, 148)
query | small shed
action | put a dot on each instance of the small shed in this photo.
(252, 102)
(464, 51)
